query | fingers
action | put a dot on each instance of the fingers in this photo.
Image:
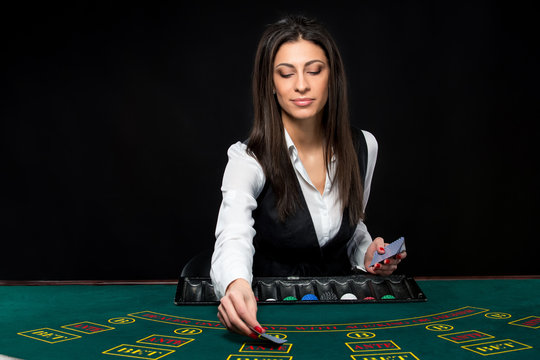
(376, 245)
(386, 267)
(379, 244)
(224, 319)
(235, 316)
(382, 269)
(229, 317)
(238, 309)
(372, 269)
(402, 255)
(246, 310)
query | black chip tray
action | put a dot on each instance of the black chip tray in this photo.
(366, 289)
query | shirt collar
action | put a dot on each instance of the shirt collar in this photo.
(293, 152)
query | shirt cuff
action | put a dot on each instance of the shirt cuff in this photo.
(358, 246)
(222, 279)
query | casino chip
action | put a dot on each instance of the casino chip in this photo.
(328, 295)
(310, 297)
(387, 297)
(369, 298)
(270, 299)
(348, 296)
(290, 298)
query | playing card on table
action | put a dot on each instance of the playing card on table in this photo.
(269, 337)
(390, 250)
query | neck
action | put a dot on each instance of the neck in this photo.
(305, 133)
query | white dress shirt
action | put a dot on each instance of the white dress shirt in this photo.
(244, 179)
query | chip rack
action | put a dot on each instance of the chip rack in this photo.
(200, 291)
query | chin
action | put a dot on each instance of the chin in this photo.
(304, 114)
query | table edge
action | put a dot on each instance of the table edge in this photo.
(175, 281)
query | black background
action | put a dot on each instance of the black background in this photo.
(116, 120)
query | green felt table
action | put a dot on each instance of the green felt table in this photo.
(462, 319)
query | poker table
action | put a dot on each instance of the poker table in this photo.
(462, 318)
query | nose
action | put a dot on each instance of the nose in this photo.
(302, 84)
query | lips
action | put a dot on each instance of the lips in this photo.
(302, 102)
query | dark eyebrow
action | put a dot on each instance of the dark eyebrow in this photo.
(306, 64)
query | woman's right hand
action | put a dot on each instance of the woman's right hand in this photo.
(238, 309)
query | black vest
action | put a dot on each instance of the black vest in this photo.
(290, 247)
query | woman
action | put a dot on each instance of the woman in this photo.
(294, 194)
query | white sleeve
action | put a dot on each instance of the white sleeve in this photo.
(358, 245)
(372, 149)
(243, 181)
(361, 239)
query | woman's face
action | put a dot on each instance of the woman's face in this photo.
(301, 80)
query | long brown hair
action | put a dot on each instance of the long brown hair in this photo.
(267, 139)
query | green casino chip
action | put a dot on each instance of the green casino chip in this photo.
(388, 297)
(290, 298)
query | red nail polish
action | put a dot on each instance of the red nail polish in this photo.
(253, 336)
(381, 249)
(386, 261)
(398, 256)
(259, 329)
(377, 266)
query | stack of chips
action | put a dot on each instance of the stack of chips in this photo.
(328, 296)
(349, 296)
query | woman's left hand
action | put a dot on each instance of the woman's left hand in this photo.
(388, 266)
